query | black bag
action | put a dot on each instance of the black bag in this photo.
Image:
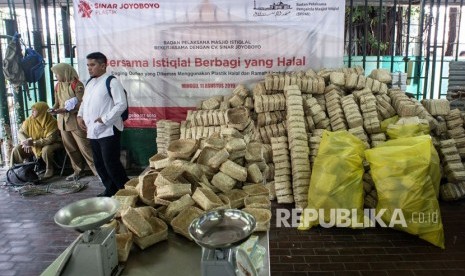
(22, 174)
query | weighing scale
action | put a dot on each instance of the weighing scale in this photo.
(94, 252)
(218, 232)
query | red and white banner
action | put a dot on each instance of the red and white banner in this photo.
(171, 54)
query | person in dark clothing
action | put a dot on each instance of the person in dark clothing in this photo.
(100, 115)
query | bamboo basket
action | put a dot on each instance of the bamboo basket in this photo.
(182, 221)
(169, 175)
(234, 170)
(132, 183)
(146, 187)
(182, 148)
(223, 182)
(159, 233)
(262, 217)
(123, 245)
(146, 211)
(236, 198)
(262, 202)
(256, 190)
(206, 154)
(206, 199)
(173, 191)
(136, 222)
(219, 158)
(254, 174)
(175, 207)
(159, 161)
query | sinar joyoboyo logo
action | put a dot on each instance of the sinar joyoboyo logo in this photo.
(86, 9)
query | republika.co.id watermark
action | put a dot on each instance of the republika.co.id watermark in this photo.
(354, 218)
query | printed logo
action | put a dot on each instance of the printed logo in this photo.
(84, 9)
(272, 7)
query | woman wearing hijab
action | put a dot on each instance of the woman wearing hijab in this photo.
(38, 137)
(68, 96)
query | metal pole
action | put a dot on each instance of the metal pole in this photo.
(458, 31)
(418, 64)
(435, 48)
(379, 32)
(393, 36)
(428, 49)
(351, 14)
(446, 13)
(407, 42)
(365, 35)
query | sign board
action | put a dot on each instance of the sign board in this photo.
(171, 54)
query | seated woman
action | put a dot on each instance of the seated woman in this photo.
(39, 137)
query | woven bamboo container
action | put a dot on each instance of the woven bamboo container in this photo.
(136, 222)
(175, 207)
(168, 175)
(236, 198)
(123, 245)
(223, 182)
(218, 158)
(235, 144)
(159, 161)
(234, 170)
(262, 202)
(262, 217)
(146, 211)
(254, 174)
(206, 154)
(159, 233)
(182, 221)
(173, 191)
(256, 190)
(215, 142)
(125, 202)
(206, 199)
(131, 184)
(182, 148)
(146, 187)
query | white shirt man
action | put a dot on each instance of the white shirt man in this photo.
(99, 104)
(100, 115)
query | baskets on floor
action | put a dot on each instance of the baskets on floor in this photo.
(182, 221)
(262, 217)
(182, 148)
(159, 233)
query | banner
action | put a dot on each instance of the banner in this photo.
(172, 54)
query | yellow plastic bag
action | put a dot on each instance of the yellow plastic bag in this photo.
(385, 123)
(403, 131)
(406, 174)
(336, 182)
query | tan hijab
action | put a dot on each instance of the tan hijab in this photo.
(68, 75)
(40, 126)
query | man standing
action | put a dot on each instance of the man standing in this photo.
(100, 115)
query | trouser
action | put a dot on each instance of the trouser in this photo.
(106, 152)
(78, 148)
(18, 155)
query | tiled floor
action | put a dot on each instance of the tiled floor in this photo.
(30, 241)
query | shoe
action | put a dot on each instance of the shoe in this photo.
(47, 175)
(104, 194)
(73, 177)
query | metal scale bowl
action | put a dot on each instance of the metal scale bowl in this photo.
(94, 251)
(218, 232)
